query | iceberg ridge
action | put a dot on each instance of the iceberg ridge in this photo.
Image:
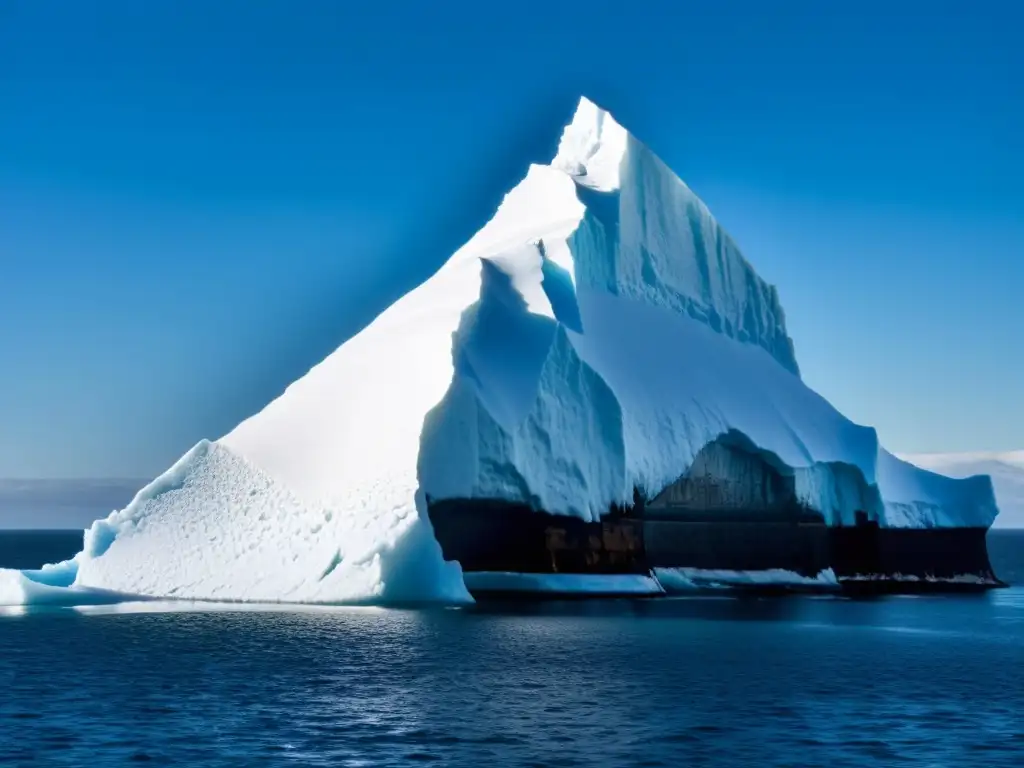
(581, 349)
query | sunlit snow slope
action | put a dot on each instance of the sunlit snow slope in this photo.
(589, 340)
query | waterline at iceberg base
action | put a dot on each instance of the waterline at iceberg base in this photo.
(703, 533)
(596, 394)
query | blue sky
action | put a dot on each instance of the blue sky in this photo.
(199, 201)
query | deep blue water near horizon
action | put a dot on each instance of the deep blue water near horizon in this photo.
(798, 681)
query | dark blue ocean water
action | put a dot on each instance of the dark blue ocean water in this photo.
(798, 681)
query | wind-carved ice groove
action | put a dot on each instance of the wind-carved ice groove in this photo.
(591, 339)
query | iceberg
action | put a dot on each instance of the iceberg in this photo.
(593, 345)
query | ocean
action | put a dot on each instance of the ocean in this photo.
(710, 681)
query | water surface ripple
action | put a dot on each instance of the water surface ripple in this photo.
(924, 681)
(919, 681)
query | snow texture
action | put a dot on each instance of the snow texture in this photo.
(591, 338)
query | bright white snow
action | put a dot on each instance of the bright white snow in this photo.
(592, 337)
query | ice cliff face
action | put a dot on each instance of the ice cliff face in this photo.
(590, 339)
(647, 237)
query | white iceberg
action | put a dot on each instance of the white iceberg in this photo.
(596, 333)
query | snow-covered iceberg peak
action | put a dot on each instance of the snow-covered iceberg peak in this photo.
(587, 344)
(610, 213)
(592, 148)
(647, 236)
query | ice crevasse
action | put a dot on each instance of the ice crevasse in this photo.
(598, 332)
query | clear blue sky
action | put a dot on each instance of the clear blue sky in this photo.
(199, 200)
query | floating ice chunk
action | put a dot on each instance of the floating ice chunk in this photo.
(686, 579)
(564, 583)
